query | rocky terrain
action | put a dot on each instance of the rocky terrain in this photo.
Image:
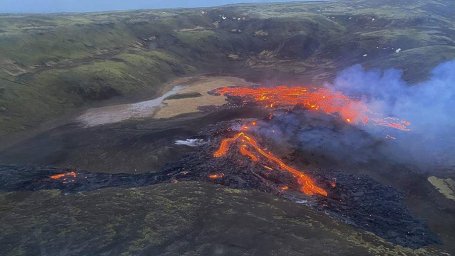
(108, 124)
(57, 64)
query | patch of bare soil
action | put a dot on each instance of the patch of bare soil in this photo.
(202, 85)
(183, 96)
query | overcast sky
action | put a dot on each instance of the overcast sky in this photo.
(46, 6)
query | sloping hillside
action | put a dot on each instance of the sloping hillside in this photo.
(53, 64)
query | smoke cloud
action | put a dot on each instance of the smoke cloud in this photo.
(428, 105)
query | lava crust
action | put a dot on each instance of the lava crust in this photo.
(357, 200)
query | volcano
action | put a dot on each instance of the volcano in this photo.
(232, 156)
(256, 154)
(293, 128)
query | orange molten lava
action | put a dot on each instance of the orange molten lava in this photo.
(214, 176)
(317, 99)
(307, 185)
(268, 167)
(59, 176)
(244, 151)
(284, 187)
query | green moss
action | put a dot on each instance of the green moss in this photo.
(69, 61)
(410, 38)
(418, 62)
(63, 43)
(195, 37)
(184, 218)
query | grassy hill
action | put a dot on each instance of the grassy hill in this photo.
(53, 64)
(186, 218)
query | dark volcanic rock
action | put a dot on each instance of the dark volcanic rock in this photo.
(356, 200)
(379, 209)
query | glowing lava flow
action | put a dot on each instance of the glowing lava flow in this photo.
(60, 176)
(307, 185)
(318, 99)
